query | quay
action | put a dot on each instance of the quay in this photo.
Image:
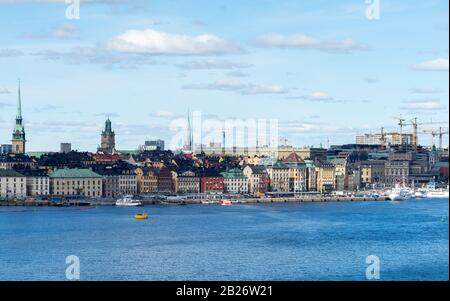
(111, 202)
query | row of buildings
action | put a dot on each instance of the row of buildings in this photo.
(346, 168)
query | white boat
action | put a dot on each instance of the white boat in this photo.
(400, 193)
(432, 192)
(128, 201)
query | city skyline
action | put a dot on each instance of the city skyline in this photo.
(305, 64)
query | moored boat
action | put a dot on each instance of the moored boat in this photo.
(128, 201)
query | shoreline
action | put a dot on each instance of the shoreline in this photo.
(103, 202)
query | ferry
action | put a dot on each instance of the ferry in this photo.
(128, 201)
(400, 193)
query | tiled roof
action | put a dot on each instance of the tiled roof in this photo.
(74, 173)
(9, 173)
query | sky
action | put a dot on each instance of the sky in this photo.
(325, 70)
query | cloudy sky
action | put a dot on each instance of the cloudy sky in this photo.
(322, 68)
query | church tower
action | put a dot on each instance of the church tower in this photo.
(18, 136)
(108, 143)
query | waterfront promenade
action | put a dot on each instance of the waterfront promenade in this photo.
(206, 201)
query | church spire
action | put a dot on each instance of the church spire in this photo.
(19, 104)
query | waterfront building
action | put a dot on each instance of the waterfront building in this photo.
(258, 178)
(147, 181)
(372, 171)
(12, 185)
(18, 136)
(311, 176)
(279, 177)
(211, 182)
(127, 181)
(186, 182)
(76, 182)
(5, 149)
(108, 142)
(110, 179)
(65, 148)
(353, 179)
(37, 182)
(164, 178)
(297, 173)
(235, 181)
(325, 176)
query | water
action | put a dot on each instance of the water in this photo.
(309, 241)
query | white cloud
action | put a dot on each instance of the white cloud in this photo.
(213, 64)
(439, 64)
(165, 114)
(319, 96)
(425, 90)
(264, 89)
(66, 31)
(151, 41)
(306, 42)
(238, 86)
(4, 91)
(423, 105)
(10, 53)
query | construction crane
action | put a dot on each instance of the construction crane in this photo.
(415, 128)
(401, 123)
(437, 133)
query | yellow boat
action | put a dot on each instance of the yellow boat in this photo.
(141, 216)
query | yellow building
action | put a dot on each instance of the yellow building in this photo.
(147, 180)
(325, 177)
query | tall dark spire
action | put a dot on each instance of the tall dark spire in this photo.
(19, 104)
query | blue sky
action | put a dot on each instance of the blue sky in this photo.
(321, 68)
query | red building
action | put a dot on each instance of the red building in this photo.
(212, 184)
(165, 182)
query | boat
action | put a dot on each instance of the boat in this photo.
(141, 216)
(127, 201)
(225, 203)
(400, 193)
(432, 192)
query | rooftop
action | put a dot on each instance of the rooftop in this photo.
(74, 173)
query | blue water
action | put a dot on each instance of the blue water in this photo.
(309, 241)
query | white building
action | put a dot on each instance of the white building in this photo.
(235, 181)
(12, 185)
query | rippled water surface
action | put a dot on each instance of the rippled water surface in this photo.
(309, 241)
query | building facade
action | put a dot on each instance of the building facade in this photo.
(147, 181)
(235, 181)
(186, 182)
(38, 182)
(325, 177)
(279, 177)
(258, 178)
(12, 185)
(76, 182)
